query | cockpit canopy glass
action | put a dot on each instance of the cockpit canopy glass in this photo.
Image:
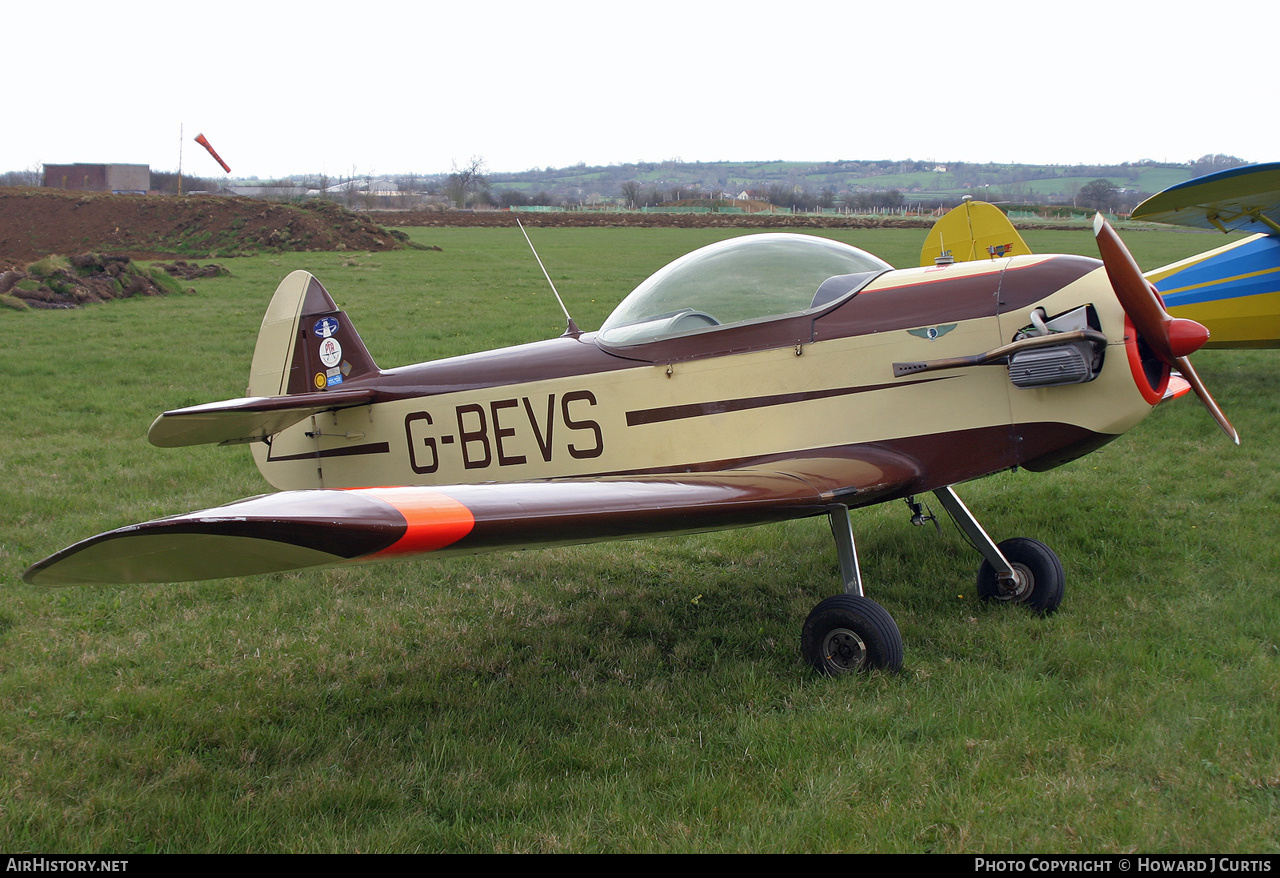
(743, 279)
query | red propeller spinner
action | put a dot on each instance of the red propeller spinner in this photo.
(1171, 339)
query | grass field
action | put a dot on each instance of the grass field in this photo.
(636, 696)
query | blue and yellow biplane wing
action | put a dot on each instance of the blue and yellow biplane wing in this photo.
(1234, 290)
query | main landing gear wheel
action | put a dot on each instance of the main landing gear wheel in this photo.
(848, 633)
(1038, 580)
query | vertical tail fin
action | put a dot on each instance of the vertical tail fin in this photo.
(974, 230)
(306, 344)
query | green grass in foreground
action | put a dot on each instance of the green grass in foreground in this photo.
(638, 696)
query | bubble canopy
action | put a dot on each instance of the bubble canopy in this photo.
(743, 279)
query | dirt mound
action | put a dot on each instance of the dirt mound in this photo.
(190, 271)
(38, 222)
(62, 282)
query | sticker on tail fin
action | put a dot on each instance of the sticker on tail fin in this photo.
(306, 343)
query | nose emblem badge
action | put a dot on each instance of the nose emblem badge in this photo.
(932, 332)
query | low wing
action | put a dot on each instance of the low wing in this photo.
(294, 530)
(1243, 199)
(249, 419)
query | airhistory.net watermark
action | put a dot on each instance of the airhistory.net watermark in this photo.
(64, 864)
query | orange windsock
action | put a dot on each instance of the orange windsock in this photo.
(217, 158)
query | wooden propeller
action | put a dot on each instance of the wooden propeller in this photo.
(1171, 339)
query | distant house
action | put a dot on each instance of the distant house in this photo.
(377, 187)
(119, 179)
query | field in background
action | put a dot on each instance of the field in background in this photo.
(916, 180)
(637, 696)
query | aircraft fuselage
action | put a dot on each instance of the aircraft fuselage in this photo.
(730, 396)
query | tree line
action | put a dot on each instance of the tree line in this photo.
(471, 185)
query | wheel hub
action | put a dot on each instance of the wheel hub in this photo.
(844, 649)
(1019, 586)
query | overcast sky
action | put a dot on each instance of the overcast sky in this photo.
(394, 87)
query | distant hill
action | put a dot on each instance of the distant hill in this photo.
(884, 183)
(828, 182)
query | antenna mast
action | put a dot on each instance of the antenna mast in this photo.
(573, 329)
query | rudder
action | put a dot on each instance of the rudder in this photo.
(306, 343)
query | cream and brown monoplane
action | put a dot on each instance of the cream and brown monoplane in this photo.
(762, 378)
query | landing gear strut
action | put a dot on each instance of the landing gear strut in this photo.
(1018, 571)
(851, 632)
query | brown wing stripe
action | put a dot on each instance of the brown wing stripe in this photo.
(569, 512)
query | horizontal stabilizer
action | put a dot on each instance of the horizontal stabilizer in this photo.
(248, 419)
(1245, 199)
(295, 530)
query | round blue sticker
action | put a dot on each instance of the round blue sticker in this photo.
(325, 327)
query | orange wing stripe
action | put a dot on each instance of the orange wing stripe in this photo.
(434, 520)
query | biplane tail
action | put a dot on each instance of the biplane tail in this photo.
(308, 359)
(974, 230)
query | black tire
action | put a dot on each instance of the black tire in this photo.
(848, 633)
(1041, 581)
